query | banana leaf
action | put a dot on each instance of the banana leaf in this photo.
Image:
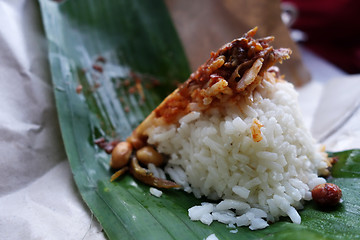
(112, 62)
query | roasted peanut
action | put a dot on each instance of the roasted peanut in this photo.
(326, 194)
(148, 154)
(135, 141)
(121, 155)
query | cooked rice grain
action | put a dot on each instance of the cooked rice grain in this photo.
(213, 154)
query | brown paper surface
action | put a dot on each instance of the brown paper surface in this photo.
(206, 25)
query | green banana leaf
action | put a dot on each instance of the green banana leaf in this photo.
(112, 62)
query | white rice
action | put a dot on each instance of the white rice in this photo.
(155, 192)
(213, 154)
(157, 172)
(212, 237)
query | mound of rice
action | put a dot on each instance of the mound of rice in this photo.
(256, 179)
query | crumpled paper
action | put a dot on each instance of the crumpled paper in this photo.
(38, 197)
(340, 129)
(330, 104)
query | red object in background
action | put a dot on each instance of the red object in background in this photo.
(333, 30)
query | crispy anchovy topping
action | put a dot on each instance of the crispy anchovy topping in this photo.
(235, 69)
(237, 57)
(118, 173)
(148, 178)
